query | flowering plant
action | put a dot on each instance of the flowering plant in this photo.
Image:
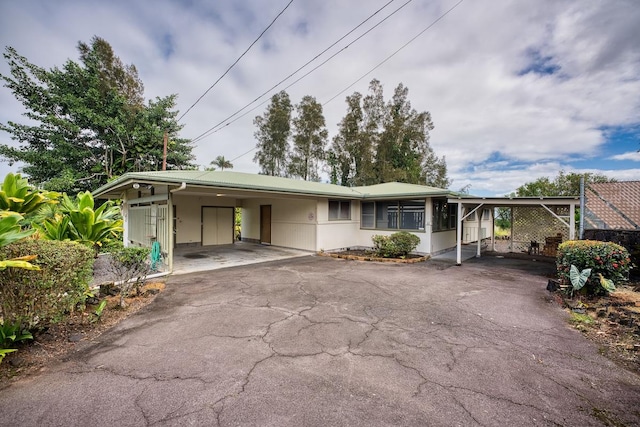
(603, 258)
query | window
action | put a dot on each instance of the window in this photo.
(339, 210)
(445, 215)
(412, 215)
(471, 217)
(368, 215)
(396, 215)
(485, 214)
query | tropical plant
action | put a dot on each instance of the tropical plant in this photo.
(10, 231)
(11, 333)
(96, 315)
(16, 195)
(79, 221)
(578, 278)
(222, 163)
(606, 258)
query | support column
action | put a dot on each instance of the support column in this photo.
(572, 221)
(493, 229)
(459, 235)
(172, 236)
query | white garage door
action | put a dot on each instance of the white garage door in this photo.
(217, 226)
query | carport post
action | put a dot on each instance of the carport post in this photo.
(459, 236)
(572, 221)
(479, 237)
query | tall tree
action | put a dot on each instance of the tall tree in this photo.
(274, 130)
(344, 153)
(309, 140)
(380, 142)
(91, 123)
(563, 185)
(221, 163)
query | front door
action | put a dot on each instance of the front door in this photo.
(265, 224)
(217, 226)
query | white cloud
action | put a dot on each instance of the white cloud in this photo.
(631, 155)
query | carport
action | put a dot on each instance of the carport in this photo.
(540, 220)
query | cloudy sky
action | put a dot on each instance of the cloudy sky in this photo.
(517, 89)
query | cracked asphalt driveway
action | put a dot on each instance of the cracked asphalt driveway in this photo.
(317, 341)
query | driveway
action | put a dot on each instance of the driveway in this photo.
(317, 341)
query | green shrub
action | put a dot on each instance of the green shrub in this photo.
(603, 258)
(397, 245)
(38, 297)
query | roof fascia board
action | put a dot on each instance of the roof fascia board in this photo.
(516, 201)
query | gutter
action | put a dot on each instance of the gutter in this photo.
(182, 187)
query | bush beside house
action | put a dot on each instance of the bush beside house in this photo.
(35, 298)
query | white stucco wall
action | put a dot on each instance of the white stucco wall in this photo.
(337, 234)
(189, 215)
(293, 222)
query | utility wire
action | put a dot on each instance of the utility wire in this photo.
(368, 72)
(394, 53)
(236, 61)
(222, 123)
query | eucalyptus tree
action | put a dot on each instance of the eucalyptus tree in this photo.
(272, 135)
(382, 142)
(309, 140)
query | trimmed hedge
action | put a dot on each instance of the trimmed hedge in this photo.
(606, 258)
(397, 245)
(35, 298)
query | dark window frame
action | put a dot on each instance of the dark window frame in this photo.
(401, 215)
(444, 215)
(340, 210)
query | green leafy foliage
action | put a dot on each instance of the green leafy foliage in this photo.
(607, 284)
(309, 140)
(88, 121)
(130, 265)
(273, 132)
(383, 142)
(606, 258)
(565, 184)
(10, 231)
(11, 333)
(578, 278)
(36, 298)
(397, 245)
(221, 163)
(96, 316)
(16, 195)
(79, 221)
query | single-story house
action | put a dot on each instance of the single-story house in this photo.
(196, 208)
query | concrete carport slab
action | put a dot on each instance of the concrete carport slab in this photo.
(318, 341)
(204, 258)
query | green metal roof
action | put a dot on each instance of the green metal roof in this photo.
(400, 189)
(272, 184)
